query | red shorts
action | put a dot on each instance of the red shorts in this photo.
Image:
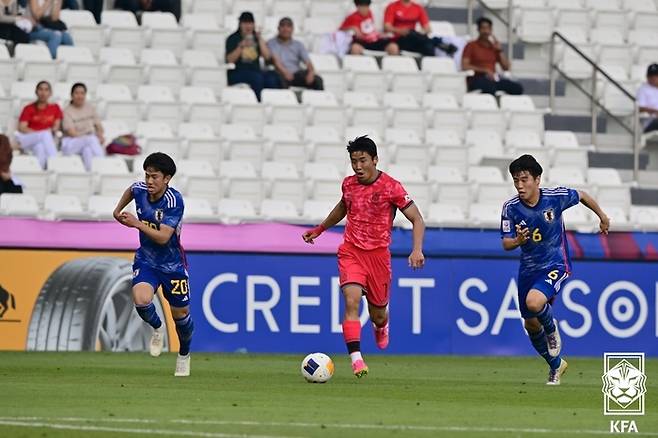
(369, 269)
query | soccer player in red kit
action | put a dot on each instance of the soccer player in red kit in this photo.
(370, 200)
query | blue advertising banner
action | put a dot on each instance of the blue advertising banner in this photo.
(292, 303)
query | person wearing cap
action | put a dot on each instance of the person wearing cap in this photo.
(647, 98)
(245, 48)
(366, 37)
(288, 55)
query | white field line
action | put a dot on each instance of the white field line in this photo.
(308, 425)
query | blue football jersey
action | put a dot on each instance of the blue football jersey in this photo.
(547, 245)
(168, 210)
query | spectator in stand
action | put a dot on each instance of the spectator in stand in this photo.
(7, 183)
(13, 27)
(83, 132)
(37, 125)
(47, 25)
(245, 48)
(287, 56)
(366, 37)
(139, 6)
(647, 98)
(481, 56)
(401, 18)
(95, 7)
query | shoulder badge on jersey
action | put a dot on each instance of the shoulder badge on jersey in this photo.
(507, 226)
(549, 215)
(159, 214)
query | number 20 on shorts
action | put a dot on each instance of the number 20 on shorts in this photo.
(179, 287)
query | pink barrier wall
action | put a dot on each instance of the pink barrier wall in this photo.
(268, 237)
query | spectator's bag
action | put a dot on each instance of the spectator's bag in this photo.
(124, 145)
(49, 23)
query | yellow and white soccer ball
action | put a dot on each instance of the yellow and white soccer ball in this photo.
(317, 368)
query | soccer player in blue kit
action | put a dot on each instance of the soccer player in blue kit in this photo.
(160, 260)
(533, 221)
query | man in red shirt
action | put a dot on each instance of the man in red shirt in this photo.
(370, 200)
(37, 123)
(481, 56)
(401, 18)
(362, 25)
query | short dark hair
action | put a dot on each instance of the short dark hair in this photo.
(363, 144)
(286, 21)
(525, 163)
(362, 2)
(484, 20)
(160, 162)
(78, 84)
(40, 83)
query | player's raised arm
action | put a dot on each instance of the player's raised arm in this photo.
(336, 215)
(591, 203)
(522, 236)
(126, 197)
(416, 258)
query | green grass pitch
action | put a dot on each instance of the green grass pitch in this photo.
(245, 395)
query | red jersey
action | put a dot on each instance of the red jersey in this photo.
(405, 16)
(365, 24)
(370, 210)
(40, 119)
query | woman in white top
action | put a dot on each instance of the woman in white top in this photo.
(47, 11)
(83, 132)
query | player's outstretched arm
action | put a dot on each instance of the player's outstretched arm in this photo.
(416, 258)
(591, 203)
(336, 215)
(123, 202)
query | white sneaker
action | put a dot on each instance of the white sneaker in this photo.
(157, 339)
(554, 342)
(182, 366)
(554, 375)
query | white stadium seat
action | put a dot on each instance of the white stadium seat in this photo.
(14, 204)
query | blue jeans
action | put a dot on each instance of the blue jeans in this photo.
(53, 38)
(257, 79)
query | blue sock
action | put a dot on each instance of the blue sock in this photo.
(545, 318)
(539, 342)
(148, 314)
(184, 328)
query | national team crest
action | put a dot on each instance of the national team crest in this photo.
(549, 215)
(624, 383)
(159, 215)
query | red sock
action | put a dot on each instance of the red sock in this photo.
(352, 335)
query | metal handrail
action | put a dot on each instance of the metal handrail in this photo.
(553, 67)
(510, 30)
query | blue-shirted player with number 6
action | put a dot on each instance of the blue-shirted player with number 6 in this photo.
(533, 221)
(160, 260)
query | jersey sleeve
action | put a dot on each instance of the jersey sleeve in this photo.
(568, 198)
(389, 14)
(26, 113)
(348, 23)
(173, 214)
(399, 196)
(424, 19)
(507, 225)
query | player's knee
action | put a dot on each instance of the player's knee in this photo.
(356, 49)
(141, 301)
(535, 302)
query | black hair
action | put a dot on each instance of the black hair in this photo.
(525, 163)
(40, 83)
(363, 144)
(362, 2)
(484, 20)
(161, 162)
(77, 85)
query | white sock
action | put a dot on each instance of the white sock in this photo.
(356, 356)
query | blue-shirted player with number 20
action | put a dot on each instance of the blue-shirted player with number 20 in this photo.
(160, 260)
(533, 221)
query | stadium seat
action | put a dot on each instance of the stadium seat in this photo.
(578, 219)
(15, 204)
(325, 110)
(522, 141)
(366, 75)
(316, 211)
(443, 77)
(160, 104)
(405, 111)
(406, 147)
(366, 111)
(163, 32)
(644, 218)
(445, 215)
(34, 62)
(204, 70)
(484, 215)
(236, 211)
(404, 76)
(484, 112)
(244, 107)
(522, 113)
(199, 210)
(333, 77)
(161, 68)
(483, 143)
(256, 7)
(122, 30)
(71, 177)
(201, 143)
(603, 176)
(198, 178)
(284, 108)
(77, 64)
(58, 207)
(536, 25)
(114, 128)
(215, 9)
(325, 181)
(242, 144)
(35, 181)
(285, 145)
(119, 67)
(565, 176)
(279, 210)
(295, 9)
(102, 207)
(335, 10)
(450, 187)
(83, 29)
(639, 5)
(112, 175)
(201, 106)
